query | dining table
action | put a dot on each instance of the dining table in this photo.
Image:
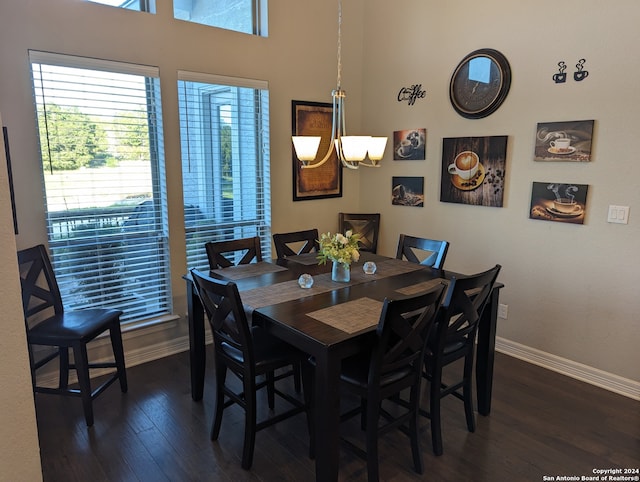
(331, 321)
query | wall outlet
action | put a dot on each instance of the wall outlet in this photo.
(503, 311)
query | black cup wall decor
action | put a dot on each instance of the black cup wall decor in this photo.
(580, 74)
(561, 76)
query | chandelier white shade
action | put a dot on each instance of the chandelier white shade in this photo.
(351, 150)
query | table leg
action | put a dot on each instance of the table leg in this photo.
(486, 352)
(197, 353)
(327, 416)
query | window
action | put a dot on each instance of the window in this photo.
(246, 16)
(138, 5)
(224, 135)
(100, 127)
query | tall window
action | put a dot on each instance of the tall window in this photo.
(100, 127)
(246, 16)
(138, 5)
(224, 134)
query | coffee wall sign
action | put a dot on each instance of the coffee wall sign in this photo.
(567, 141)
(579, 75)
(411, 94)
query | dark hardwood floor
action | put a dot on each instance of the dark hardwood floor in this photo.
(541, 423)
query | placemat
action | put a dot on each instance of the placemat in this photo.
(306, 259)
(351, 316)
(423, 286)
(247, 270)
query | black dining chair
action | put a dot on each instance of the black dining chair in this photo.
(366, 225)
(429, 252)
(393, 366)
(249, 352)
(295, 243)
(222, 254)
(453, 338)
(49, 324)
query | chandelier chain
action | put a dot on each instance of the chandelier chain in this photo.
(339, 80)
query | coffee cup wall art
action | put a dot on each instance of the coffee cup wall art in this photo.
(409, 145)
(560, 202)
(473, 170)
(564, 141)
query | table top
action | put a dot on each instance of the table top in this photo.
(325, 314)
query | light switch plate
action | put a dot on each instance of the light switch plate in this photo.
(618, 214)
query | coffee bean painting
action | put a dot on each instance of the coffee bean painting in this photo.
(473, 170)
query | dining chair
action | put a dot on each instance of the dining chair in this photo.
(248, 352)
(49, 324)
(392, 366)
(294, 243)
(366, 225)
(429, 252)
(223, 254)
(453, 338)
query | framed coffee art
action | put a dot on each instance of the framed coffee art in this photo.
(409, 145)
(566, 141)
(559, 202)
(473, 170)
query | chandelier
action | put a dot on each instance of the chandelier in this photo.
(351, 150)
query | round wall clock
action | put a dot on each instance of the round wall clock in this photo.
(480, 83)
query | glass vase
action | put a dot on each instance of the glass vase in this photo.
(341, 272)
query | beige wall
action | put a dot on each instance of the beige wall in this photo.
(19, 448)
(572, 290)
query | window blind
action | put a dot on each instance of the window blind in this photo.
(100, 131)
(224, 137)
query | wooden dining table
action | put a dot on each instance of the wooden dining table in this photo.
(331, 321)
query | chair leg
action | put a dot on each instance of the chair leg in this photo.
(63, 354)
(467, 393)
(271, 395)
(221, 375)
(434, 410)
(118, 354)
(81, 361)
(249, 424)
(414, 432)
(297, 375)
(373, 414)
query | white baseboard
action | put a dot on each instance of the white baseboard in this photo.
(614, 383)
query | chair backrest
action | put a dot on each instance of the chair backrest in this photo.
(366, 225)
(298, 242)
(221, 253)
(402, 333)
(222, 304)
(436, 250)
(40, 290)
(462, 308)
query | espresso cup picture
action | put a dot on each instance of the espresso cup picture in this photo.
(465, 165)
(565, 206)
(406, 147)
(561, 145)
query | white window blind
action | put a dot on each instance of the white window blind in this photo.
(224, 136)
(100, 127)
